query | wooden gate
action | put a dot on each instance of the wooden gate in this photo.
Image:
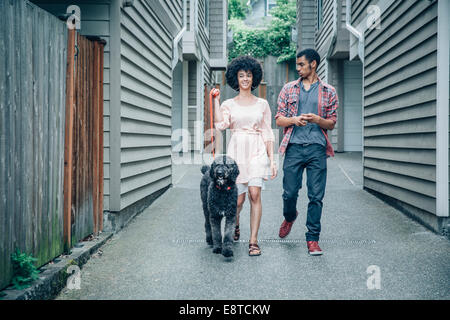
(83, 187)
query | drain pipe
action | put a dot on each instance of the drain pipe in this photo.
(360, 36)
(178, 37)
(353, 30)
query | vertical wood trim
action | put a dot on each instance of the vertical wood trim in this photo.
(442, 110)
(341, 110)
(68, 143)
(115, 76)
(184, 106)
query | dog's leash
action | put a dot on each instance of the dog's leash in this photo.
(213, 93)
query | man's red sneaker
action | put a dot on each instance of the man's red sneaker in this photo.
(286, 227)
(313, 248)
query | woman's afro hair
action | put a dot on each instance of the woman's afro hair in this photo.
(245, 63)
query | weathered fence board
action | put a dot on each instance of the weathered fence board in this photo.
(32, 109)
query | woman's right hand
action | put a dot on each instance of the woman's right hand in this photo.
(216, 94)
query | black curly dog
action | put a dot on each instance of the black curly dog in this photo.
(219, 197)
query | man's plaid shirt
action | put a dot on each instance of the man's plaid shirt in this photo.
(288, 104)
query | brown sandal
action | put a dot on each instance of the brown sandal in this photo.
(254, 250)
(237, 233)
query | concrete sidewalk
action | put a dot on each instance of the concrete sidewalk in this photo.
(162, 254)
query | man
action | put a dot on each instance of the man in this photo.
(306, 109)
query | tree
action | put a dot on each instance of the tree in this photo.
(274, 39)
(237, 9)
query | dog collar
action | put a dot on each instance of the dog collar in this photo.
(228, 188)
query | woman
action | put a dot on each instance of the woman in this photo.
(251, 143)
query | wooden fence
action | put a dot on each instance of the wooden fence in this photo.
(33, 53)
(38, 214)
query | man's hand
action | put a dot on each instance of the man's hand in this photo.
(321, 122)
(299, 121)
(311, 117)
(291, 121)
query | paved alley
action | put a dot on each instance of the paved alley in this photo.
(162, 253)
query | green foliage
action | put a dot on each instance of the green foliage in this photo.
(237, 9)
(274, 39)
(246, 40)
(24, 270)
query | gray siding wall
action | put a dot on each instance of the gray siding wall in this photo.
(207, 75)
(146, 100)
(203, 17)
(217, 14)
(359, 10)
(188, 15)
(202, 23)
(306, 23)
(174, 10)
(95, 21)
(192, 99)
(400, 103)
(324, 36)
(342, 16)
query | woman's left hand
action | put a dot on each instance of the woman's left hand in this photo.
(273, 170)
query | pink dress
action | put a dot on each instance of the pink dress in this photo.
(251, 128)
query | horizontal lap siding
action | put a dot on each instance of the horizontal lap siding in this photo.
(205, 40)
(174, 8)
(343, 14)
(307, 16)
(146, 95)
(400, 103)
(359, 10)
(217, 15)
(203, 31)
(323, 37)
(206, 74)
(192, 99)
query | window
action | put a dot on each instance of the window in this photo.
(270, 4)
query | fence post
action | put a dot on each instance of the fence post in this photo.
(68, 139)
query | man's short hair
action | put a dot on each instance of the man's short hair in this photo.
(310, 55)
(246, 63)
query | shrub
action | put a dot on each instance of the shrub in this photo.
(24, 270)
(274, 39)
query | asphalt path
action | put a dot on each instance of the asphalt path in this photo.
(371, 250)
